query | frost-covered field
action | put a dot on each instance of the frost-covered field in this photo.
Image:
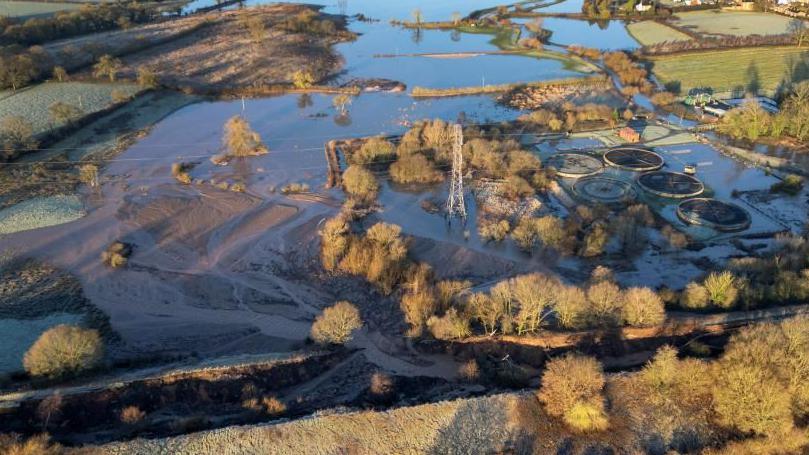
(27, 10)
(40, 212)
(20, 334)
(33, 103)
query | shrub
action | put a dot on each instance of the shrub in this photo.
(448, 291)
(269, 405)
(524, 234)
(147, 77)
(587, 417)
(515, 187)
(694, 297)
(375, 149)
(240, 140)
(294, 188)
(451, 326)
(382, 386)
(131, 415)
(415, 168)
(119, 96)
(60, 74)
(63, 351)
(551, 232)
(35, 445)
(336, 324)
(180, 172)
(642, 307)
(663, 98)
(116, 255)
(791, 184)
(572, 389)
(469, 371)
(302, 79)
(107, 66)
(491, 230)
(360, 183)
(594, 241)
(16, 136)
(722, 289)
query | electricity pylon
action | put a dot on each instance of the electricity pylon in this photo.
(455, 203)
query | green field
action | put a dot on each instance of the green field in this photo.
(32, 103)
(737, 23)
(650, 32)
(27, 10)
(726, 70)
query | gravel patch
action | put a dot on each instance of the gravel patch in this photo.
(40, 212)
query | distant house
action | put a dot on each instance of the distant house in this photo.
(629, 134)
(644, 6)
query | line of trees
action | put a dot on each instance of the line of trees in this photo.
(90, 18)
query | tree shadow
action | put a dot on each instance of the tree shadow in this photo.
(753, 80)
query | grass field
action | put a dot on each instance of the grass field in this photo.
(737, 23)
(648, 33)
(744, 68)
(32, 103)
(27, 10)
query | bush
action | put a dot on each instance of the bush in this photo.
(180, 172)
(663, 98)
(269, 405)
(722, 289)
(302, 79)
(694, 297)
(572, 389)
(791, 184)
(240, 139)
(374, 150)
(131, 415)
(35, 445)
(64, 351)
(642, 307)
(418, 306)
(451, 326)
(469, 371)
(571, 307)
(748, 398)
(336, 325)
(491, 230)
(415, 168)
(116, 255)
(360, 184)
(515, 187)
(294, 188)
(382, 387)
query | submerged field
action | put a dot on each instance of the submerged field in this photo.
(736, 23)
(746, 69)
(650, 32)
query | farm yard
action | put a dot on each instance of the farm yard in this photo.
(734, 69)
(651, 32)
(33, 103)
(734, 23)
(27, 10)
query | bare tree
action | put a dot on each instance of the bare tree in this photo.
(336, 324)
(107, 66)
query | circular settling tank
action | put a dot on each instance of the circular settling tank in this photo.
(636, 159)
(574, 165)
(715, 214)
(604, 190)
(671, 184)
